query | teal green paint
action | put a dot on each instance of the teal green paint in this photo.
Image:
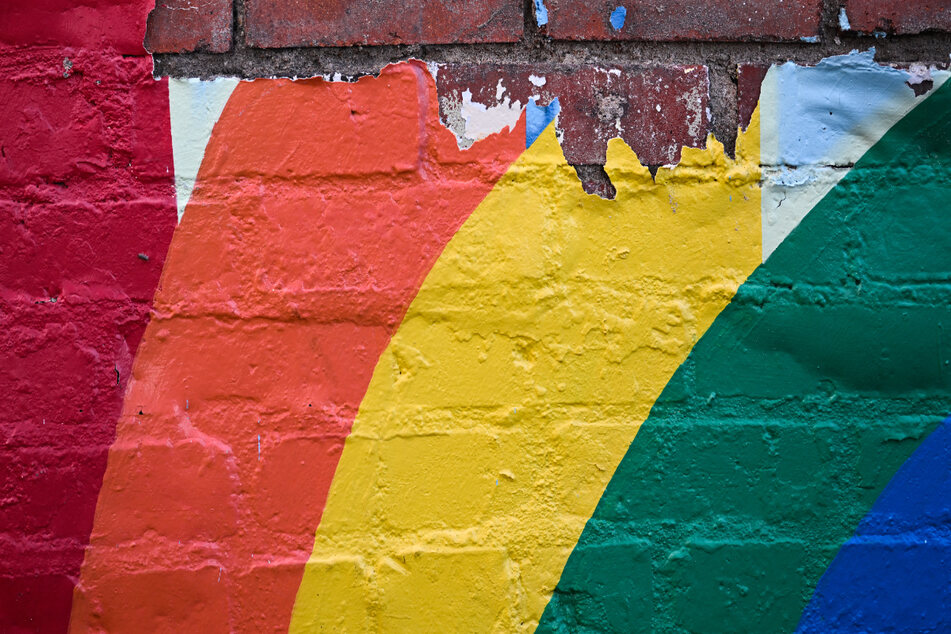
(790, 415)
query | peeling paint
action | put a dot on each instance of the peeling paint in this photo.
(617, 18)
(482, 121)
(537, 119)
(817, 120)
(541, 13)
(844, 20)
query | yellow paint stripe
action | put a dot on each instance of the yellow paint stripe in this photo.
(521, 373)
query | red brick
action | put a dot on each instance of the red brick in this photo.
(723, 20)
(899, 16)
(658, 109)
(179, 26)
(749, 80)
(279, 23)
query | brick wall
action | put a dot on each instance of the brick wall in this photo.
(491, 305)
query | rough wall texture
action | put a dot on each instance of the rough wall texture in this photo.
(475, 316)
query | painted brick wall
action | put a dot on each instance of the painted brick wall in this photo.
(475, 316)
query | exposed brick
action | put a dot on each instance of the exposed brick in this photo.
(724, 20)
(749, 80)
(279, 23)
(179, 26)
(898, 16)
(656, 110)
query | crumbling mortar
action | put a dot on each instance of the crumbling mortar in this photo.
(535, 47)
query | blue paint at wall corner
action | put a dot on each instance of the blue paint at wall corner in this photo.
(894, 574)
(537, 119)
(617, 18)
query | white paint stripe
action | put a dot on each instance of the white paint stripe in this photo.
(803, 159)
(194, 107)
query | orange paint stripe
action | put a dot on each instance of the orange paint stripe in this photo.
(319, 209)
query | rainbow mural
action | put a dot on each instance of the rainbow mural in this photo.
(394, 385)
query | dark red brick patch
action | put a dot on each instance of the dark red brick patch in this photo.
(749, 80)
(900, 17)
(282, 23)
(180, 26)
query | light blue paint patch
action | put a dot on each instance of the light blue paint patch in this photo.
(819, 107)
(617, 18)
(844, 20)
(811, 39)
(537, 119)
(541, 13)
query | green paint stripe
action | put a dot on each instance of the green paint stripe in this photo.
(789, 416)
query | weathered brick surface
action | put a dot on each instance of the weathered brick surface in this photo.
(279, 23)
(300, 268)
(898, 16)
(749, 79)
(656, 110)
(724, 20)
(178, 26)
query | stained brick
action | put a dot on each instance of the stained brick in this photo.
(898, 16)
(656, 110)
(724, 20)
(178, 26)
(280, 23)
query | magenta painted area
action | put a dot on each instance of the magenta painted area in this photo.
(91, 24)
(87, 211)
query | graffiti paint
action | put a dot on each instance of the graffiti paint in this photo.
(739, 508)
(395, 384)
(294, 262)
(472, 467)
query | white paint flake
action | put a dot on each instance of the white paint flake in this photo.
(482, 121)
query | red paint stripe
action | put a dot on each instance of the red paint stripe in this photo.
(319, 210)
